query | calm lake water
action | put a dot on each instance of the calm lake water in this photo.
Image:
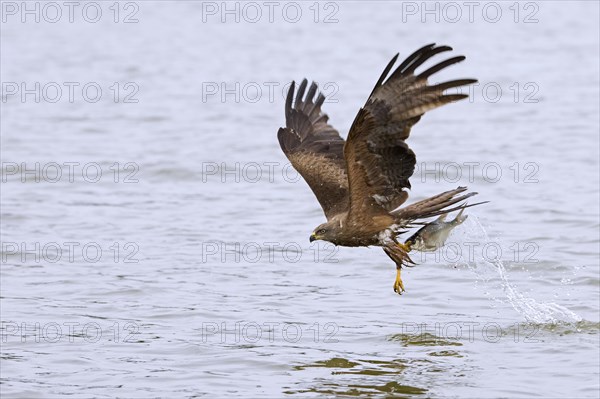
(155, 240)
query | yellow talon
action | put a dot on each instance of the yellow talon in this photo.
(405, 247)
(398, 285)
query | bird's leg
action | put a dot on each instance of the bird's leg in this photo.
(398, 285)
(399, 254)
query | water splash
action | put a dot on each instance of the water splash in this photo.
(532, 310)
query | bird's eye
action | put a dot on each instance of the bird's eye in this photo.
(322, 231)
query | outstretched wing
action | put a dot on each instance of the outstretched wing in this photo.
(379, 162)
(315, 148)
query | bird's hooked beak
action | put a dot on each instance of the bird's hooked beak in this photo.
(313, 237)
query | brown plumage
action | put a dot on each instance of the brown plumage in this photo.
(360, 183)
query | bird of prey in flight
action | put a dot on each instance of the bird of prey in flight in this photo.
(362, 182)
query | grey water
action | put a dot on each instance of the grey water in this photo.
(155, 239)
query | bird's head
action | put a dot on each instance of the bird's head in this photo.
(326, 232)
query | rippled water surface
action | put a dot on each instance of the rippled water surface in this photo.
(184, 268)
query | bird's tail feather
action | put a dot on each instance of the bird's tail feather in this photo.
(434, 206)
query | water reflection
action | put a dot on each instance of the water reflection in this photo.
(363, 377)
(423, 339)
(412, 373)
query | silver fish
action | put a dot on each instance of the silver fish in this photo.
(434, 235)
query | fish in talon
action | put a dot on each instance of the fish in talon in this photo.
(433, 235)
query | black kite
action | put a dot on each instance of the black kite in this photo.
(361, 183)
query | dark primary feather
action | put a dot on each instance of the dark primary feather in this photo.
(315, 148)
(379, 162)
